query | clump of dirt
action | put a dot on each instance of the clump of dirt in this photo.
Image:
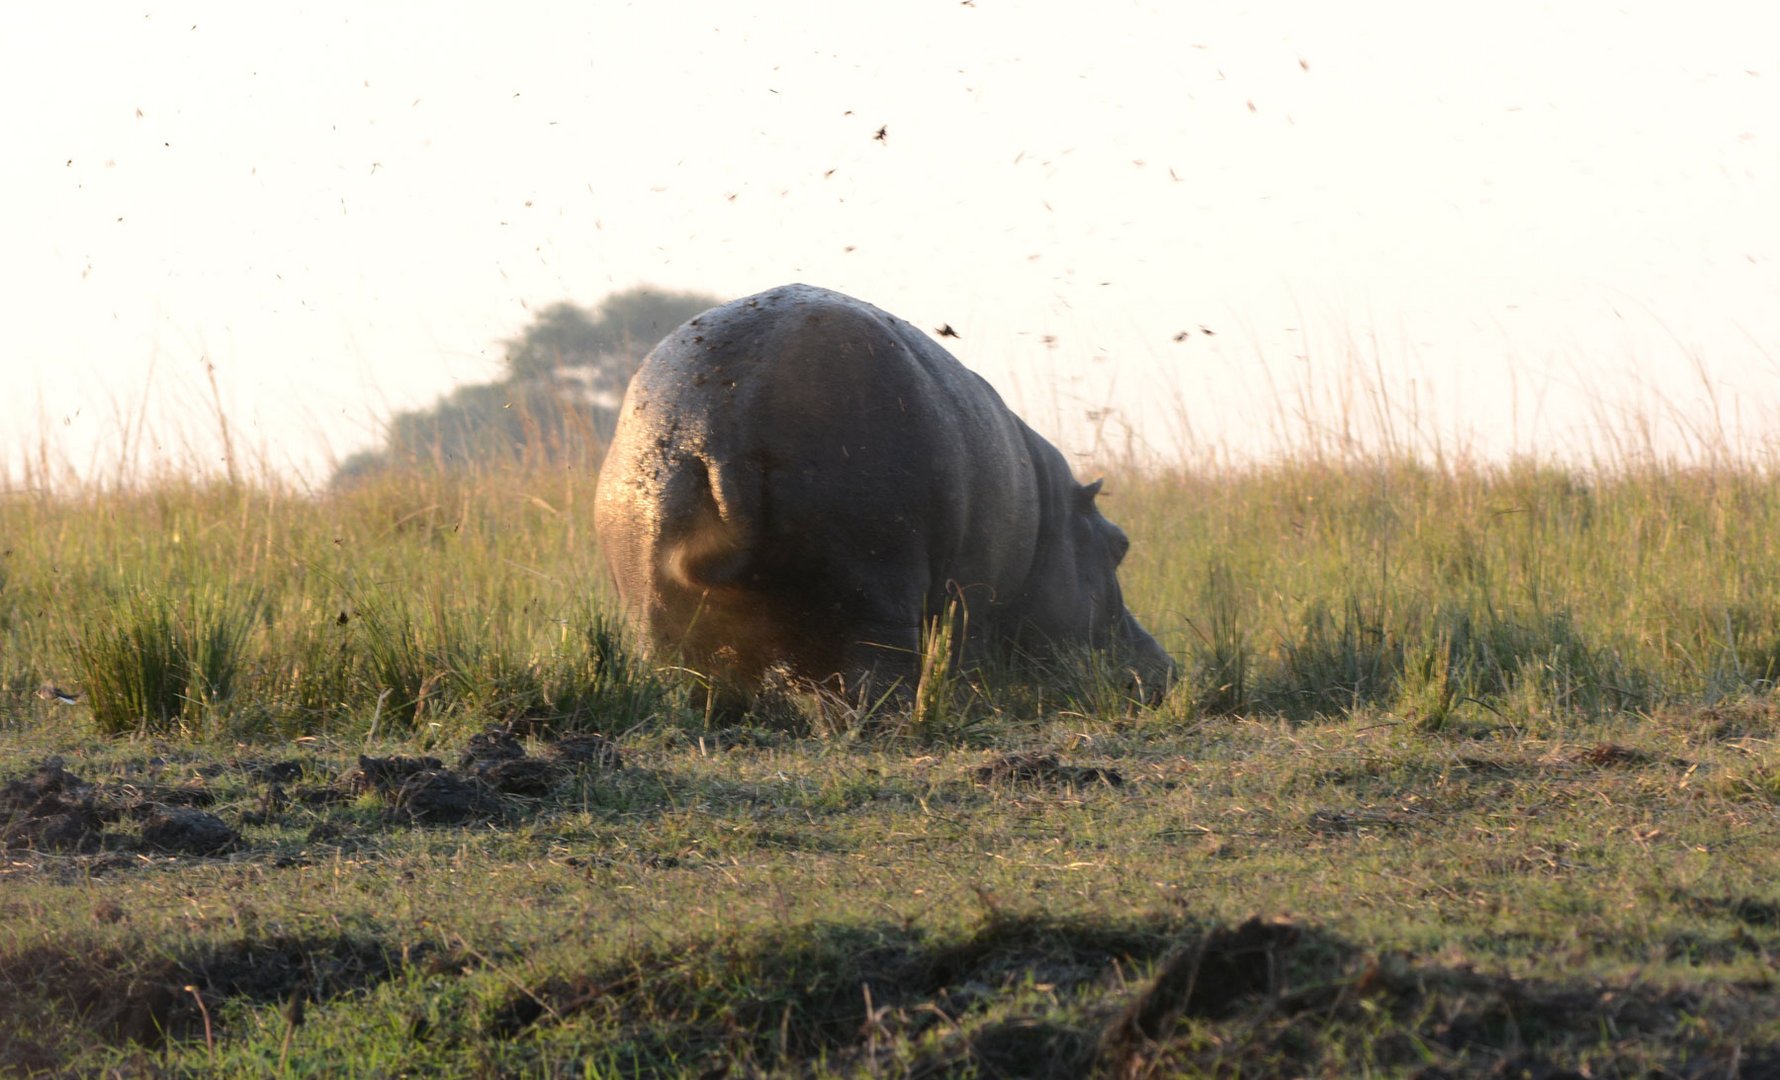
(187, 831)
(440, 797)
(489, 746)
(50, 809)
(268, 807)
(191, 794)
(528, 776)
(585, 749)
(496, 758)
(274, 772)
(423, 789)
(1035, 767)
(318, 795)
(384, 774)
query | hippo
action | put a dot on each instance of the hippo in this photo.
(800, 483)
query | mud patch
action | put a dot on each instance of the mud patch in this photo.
(1044, 769)
(132, 800)
(493, 763)
(496, 758)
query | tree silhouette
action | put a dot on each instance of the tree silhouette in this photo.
(565, 378)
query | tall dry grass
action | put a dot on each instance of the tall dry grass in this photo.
(1352, 572)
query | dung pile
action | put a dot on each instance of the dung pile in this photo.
(50, 809)
(493, 763)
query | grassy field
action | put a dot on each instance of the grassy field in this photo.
(1474, 773)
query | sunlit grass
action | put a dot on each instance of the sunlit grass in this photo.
(1468, 594)
(1307, 590)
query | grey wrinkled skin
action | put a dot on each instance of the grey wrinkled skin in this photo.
(799, 481)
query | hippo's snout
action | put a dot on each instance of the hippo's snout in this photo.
(1153, 670)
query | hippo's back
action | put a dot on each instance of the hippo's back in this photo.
(797, 477)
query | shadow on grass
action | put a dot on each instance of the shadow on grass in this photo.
(123, 996)
(1028, 995)
(832, 989)
(1045, 996)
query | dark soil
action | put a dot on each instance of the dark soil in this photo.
(497, 759)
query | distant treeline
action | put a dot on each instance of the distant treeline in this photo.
(558, 399)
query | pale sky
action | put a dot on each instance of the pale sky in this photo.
(1517, 220)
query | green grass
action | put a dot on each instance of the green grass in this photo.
(1491, 752)
(1304, 590)
(1309, 590)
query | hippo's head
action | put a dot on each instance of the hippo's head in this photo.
(1089, 551)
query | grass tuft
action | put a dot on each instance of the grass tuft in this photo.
(153, 664)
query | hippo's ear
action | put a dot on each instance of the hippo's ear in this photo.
(1084, 496)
